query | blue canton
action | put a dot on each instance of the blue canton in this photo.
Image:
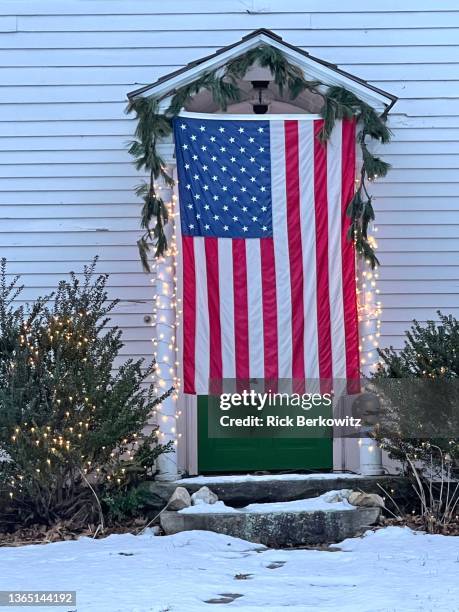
(224, 173)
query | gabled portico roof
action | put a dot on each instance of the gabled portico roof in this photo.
(313, 67)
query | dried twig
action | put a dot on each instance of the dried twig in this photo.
(392, 500)
(145, 527)
(101, 514)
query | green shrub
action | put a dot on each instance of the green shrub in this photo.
(419, 392)
(72, 427)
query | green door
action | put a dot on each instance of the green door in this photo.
(253, 452)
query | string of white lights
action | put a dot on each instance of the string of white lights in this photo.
(369, 307)
(165, 323)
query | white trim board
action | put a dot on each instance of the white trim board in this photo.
(250, 117)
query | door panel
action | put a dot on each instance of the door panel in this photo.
(254, 452)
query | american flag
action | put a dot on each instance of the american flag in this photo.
(268, 274)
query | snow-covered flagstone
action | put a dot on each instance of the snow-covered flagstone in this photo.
(328, 502)
(393, 569)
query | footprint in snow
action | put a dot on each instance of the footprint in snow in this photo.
(224, 598)
(275, 564)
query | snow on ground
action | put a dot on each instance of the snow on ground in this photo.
(206, 480)
(328, 502)
(391, 570)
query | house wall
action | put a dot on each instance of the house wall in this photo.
(66, 186)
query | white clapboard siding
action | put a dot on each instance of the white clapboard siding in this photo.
(66, 181)
(175, 54)
(214, 38)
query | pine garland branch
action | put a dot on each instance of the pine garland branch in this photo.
(343, 104)
(151, 127)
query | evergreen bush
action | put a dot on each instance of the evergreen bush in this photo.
(74, 430)
(419, 392)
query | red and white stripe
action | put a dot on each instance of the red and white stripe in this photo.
(281, 307)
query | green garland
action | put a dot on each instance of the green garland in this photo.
(338, 103)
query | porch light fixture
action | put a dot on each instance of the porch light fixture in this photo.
(261, 98)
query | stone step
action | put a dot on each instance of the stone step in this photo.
(280, 525)
(240, 490)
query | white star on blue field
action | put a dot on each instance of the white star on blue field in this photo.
(224, 172)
